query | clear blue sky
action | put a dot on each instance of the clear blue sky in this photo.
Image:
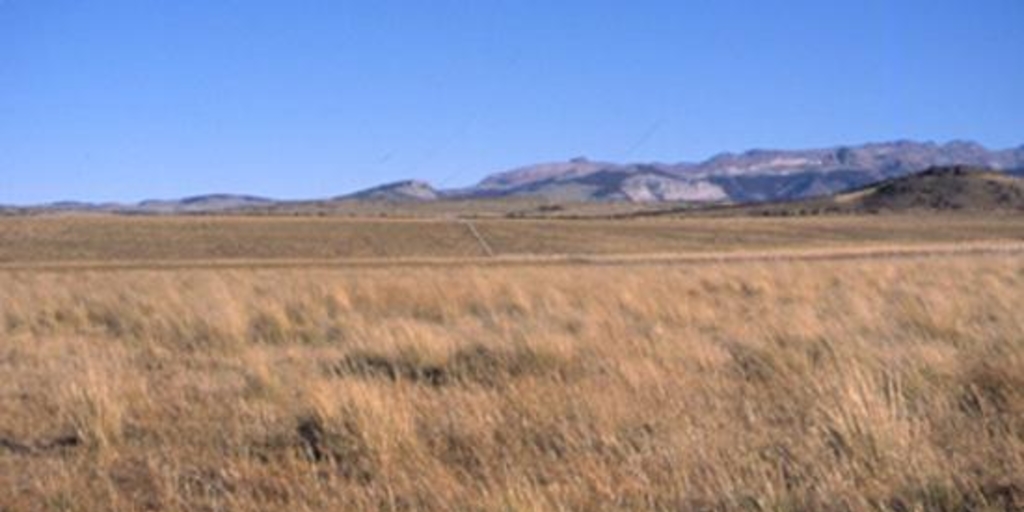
(131, 99)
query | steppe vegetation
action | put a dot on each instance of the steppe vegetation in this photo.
(112, 239)
(855, 385)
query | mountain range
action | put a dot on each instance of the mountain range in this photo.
(754, 176)
(759, 175)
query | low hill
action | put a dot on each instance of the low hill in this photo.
(950, 188)
(942, 188)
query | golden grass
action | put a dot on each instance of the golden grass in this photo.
(828, 385)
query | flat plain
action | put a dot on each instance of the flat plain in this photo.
(136, 240)
(848, 363)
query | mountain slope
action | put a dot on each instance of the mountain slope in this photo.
(585, 181)
(945, 188)
(408, 190)
(941, 188)
(530, 176)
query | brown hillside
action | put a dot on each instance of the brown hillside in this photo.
(945, 189)
(942, 188)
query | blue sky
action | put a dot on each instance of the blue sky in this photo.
(126, 100)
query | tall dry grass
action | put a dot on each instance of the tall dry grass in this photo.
(858, 385)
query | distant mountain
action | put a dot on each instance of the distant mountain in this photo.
(754, 176)
(510, 181)
(78, 206)
(408, 190)
(203, 203)
(209, 203)
(583, 180)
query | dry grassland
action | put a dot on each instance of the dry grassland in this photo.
(186, 239)
(828, 385)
